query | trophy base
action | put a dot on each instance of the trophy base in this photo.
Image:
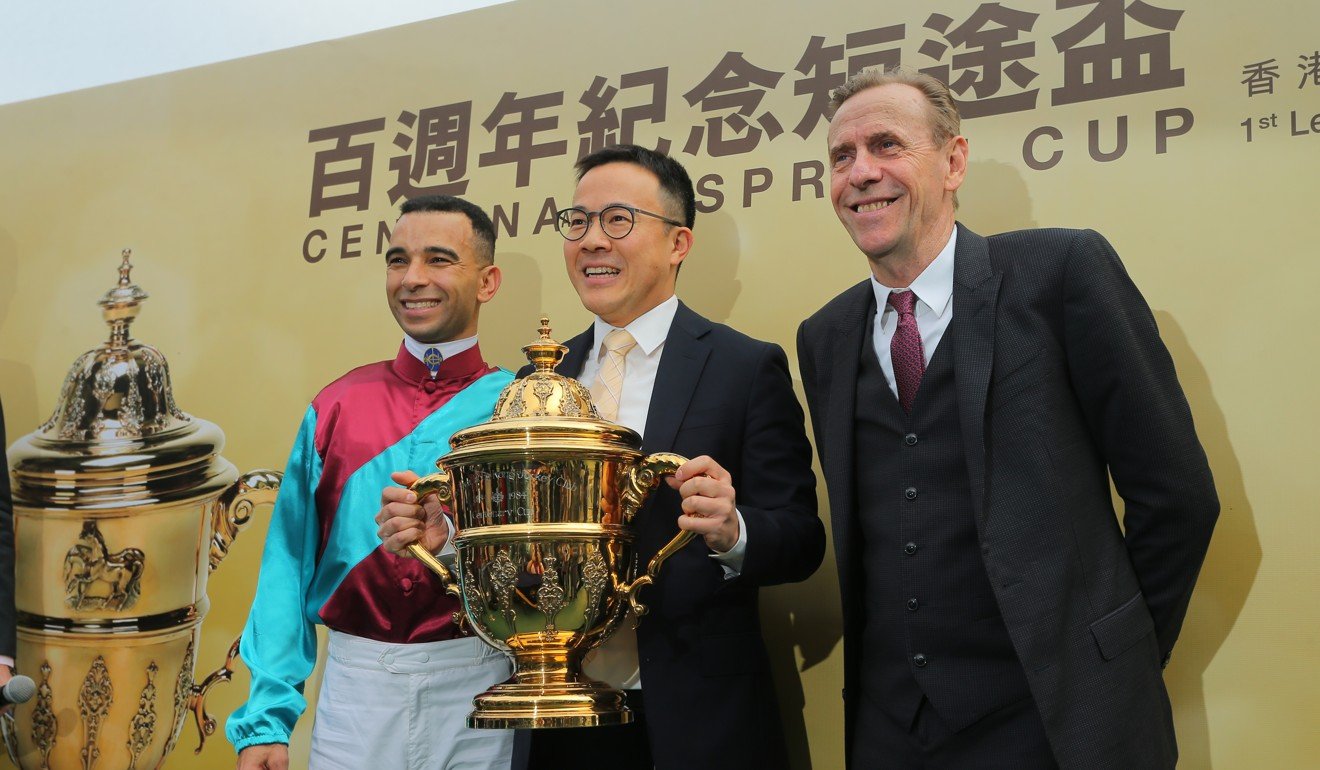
(538, 706)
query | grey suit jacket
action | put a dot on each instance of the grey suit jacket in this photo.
(1062, 380)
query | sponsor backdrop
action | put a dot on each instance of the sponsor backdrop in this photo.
(257, 195)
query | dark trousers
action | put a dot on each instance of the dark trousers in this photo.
(623, 747)
(1012, 738)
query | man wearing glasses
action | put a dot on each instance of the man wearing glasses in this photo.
(705, 391)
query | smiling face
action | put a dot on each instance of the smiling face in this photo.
(435, 280)
(891, 182)
(622, 279)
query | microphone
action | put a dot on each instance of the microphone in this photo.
(17, 690)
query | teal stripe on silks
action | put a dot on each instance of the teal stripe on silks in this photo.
(353, 532)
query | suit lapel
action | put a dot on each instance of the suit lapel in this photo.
(676, 378)
(975, 294)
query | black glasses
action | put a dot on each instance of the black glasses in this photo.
(616, 221)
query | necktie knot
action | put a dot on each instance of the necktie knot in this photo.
(905, 302)
(619, 341)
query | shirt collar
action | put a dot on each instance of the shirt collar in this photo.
(447, 349)
(934, 286)
(649, 329)
(462, 360)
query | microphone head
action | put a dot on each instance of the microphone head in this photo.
(19, 689)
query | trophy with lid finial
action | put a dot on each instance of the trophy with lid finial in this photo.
(122, 508)
(544, 496)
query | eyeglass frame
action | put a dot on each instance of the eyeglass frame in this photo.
(590, 215)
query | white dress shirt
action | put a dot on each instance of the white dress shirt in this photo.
(934, 309)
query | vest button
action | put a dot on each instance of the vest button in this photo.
(429, 386)
(912, 604)
(919, 660)
(910, 493)
(406, 584)
(910, 549)
(910, 439)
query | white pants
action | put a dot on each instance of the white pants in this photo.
(404, 706)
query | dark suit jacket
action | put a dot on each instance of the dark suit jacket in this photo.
(1061, 381)
(710, 700)
(8, 641)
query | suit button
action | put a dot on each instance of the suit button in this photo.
(910, 549)
(919, 660)
(912, 605)
(910, 493)
(910, 439)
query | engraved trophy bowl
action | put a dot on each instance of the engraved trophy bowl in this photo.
(122, 508)
(543, 497)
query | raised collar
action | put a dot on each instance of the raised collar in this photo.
(458, 366)
(649, 329)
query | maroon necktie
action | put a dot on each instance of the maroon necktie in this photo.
(905, 349)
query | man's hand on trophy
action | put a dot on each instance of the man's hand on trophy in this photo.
(404, 520)
(267, 756)
(709, 502)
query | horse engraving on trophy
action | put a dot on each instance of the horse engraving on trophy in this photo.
(95, 579)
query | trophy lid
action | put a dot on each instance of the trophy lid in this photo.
(116, 436)
(545, 409)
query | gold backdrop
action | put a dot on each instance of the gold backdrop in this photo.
(253, 191)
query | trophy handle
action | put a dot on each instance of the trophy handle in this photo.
(440, 484)
(642, 478)
(197, 699)
(232, 511)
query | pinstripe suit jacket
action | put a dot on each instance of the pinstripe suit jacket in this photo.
(1062, 381)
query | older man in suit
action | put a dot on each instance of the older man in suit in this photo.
(971, 401)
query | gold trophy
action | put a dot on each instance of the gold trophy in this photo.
(544, 496)
(122, 507)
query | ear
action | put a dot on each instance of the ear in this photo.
(680, 244)
(957, 159)
(489, 283)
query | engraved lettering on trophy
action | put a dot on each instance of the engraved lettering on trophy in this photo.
(503, 577)
(595, 574)
(44, 724)
(143, 726)
(550, 596)
(94, 699)
(95, 579)
(183, 686)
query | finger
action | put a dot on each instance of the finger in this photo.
(404, 477)
(397, 495)
(398, 524)
(698, 524)
(704, 465)
(705, 486)
(707, 507)
(400, 510)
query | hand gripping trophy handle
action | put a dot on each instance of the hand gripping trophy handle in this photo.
(438, 483)
(642, 478)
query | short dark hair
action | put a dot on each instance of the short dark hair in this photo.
(675, 184)
(482, 227)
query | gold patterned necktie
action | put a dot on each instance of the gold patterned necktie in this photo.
(607, 391)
